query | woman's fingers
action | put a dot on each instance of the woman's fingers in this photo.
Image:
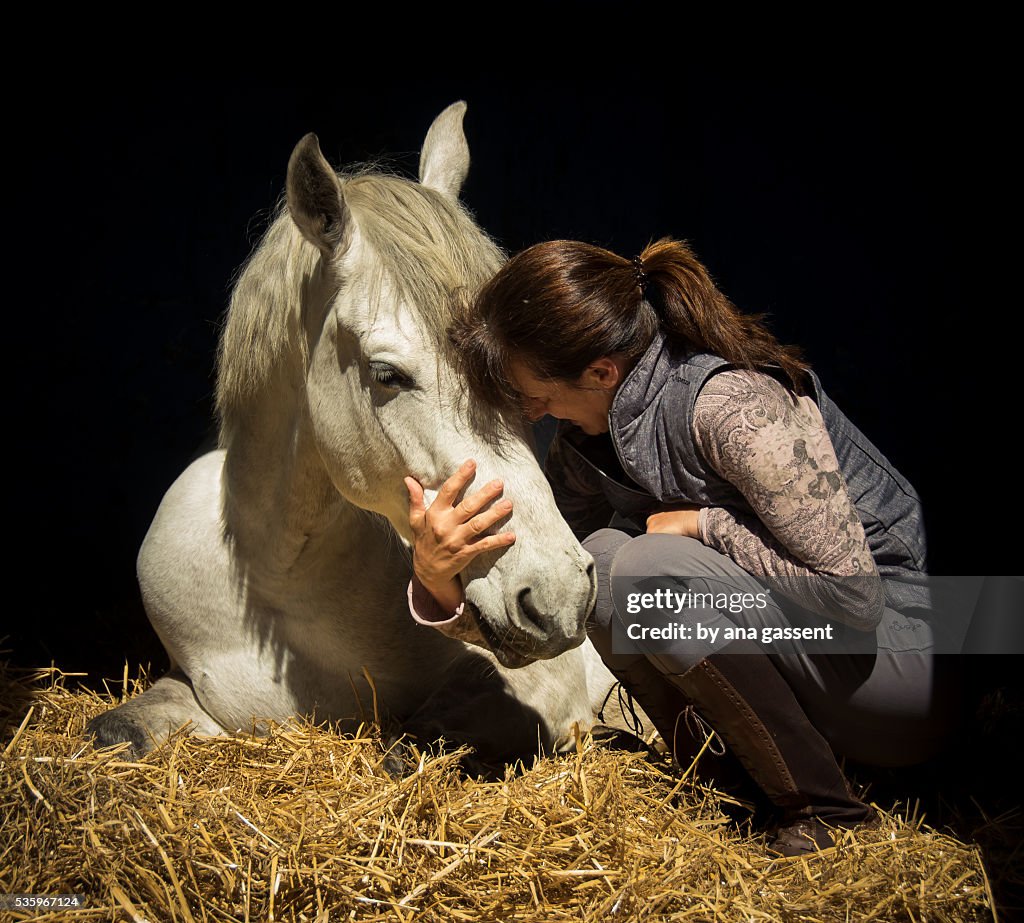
(467, 510)
(479, 524)
(476, 501)
(472, 503)
(490, 543)
(459, 530)
(417, 510)
(676, 521)
(452, 487)
(447, 536)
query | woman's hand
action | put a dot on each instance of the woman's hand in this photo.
(448, 535)
(682, 519)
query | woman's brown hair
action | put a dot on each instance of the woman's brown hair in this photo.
(559, 305)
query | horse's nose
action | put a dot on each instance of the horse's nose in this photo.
(531, 615)
(539, 625)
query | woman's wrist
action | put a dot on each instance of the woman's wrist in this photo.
(448, 593)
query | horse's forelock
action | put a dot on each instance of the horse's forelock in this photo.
(425, 244)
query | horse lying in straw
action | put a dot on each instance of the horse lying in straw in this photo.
(276, 568)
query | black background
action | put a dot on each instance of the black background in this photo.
(845, 202)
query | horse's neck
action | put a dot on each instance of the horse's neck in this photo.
(280, 505)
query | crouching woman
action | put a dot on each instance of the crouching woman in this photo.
(702, 464)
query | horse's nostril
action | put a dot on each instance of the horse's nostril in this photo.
(529, 611)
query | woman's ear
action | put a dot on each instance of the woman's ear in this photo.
(604, 373)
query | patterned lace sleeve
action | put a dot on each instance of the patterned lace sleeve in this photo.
(804, 538)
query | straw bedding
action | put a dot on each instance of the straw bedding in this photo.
(305, 824)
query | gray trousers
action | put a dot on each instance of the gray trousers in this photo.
(883, 699)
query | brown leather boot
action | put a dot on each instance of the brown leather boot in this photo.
(680, 725)
(743, 695)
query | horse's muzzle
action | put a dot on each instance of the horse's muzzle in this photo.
(522, 638)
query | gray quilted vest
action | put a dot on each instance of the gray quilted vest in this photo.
(651, 422)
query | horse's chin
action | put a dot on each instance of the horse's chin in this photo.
(511, 659)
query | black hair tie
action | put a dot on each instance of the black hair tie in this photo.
(641, 276)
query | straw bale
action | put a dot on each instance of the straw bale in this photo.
(305, 824)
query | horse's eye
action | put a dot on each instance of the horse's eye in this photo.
(384, 373)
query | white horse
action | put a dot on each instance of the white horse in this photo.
(276, 568)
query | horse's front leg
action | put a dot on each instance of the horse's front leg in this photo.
(148, 719)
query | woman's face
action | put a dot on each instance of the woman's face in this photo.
(584, 402)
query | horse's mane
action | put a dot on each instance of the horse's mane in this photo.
(425, 244)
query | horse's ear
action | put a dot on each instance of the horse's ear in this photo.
(315, 199)
(444, 161)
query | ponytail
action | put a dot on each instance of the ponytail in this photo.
(694, 313)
